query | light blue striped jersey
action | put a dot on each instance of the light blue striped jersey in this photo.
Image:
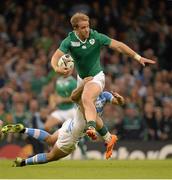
(101, 100)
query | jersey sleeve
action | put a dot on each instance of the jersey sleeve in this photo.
(103, 39)
(65, 45)
(108, 96)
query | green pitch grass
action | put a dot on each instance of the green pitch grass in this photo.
(100, 169)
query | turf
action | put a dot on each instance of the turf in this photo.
(91, 169)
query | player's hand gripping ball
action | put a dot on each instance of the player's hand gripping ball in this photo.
(66, 61)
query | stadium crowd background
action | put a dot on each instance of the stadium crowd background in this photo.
(31, 30)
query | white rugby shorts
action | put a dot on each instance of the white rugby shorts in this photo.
(69, 136)
(99, 79)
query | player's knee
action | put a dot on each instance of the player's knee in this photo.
(51, 156)
(50, 140)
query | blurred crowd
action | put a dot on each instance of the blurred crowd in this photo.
(30, 32)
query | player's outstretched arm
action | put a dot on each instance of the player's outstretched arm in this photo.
(76, 93)
(117, 99)
(123, 48)
(60, 99)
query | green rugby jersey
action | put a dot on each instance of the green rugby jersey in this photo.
(64, 88)
(85, 54)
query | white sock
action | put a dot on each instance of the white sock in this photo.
(107, 137)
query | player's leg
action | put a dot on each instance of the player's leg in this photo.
(102, 129)
(42, 158)
(89, 95)
(91, 91)
(38, 134)
(110, 139)
(50, 140)
(63, 146)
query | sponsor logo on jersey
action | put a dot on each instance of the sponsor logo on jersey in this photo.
(92, 41)
(84, 47)
(75, 44)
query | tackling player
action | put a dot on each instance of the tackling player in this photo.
(66, 139)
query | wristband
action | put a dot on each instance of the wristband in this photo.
(137, 57)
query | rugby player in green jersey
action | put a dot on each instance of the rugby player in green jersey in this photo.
(84, 45)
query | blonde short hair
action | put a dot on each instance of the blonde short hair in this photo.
(78, 17)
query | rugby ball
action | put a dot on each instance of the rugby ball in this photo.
(66, 61)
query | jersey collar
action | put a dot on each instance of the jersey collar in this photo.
(79, 38)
